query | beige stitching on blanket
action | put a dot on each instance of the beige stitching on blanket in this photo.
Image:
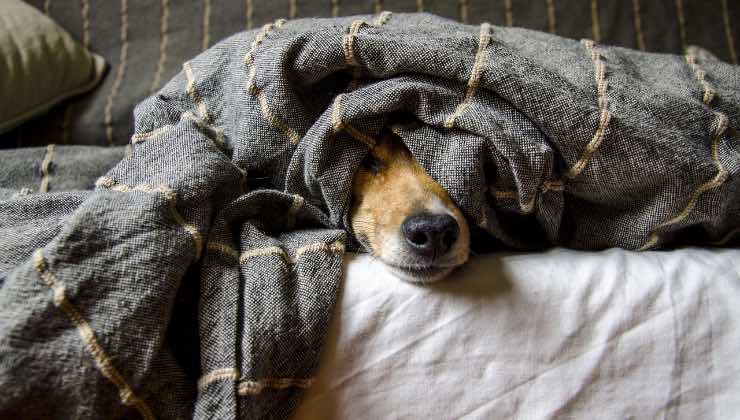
(293, 135)
(45, 168)
(23, 192)
(140, 137)
(527, 207)
(338, 124)
(506, 195)
(336, 113)
(359, 135)
(261, 252)
(249, 56)
(295, 207)
(553, 186)
(251, 87)
(348, 43)
(249, 386)
(475, 73)
(197, 238)
(701, 77)
(203, 119)
(102, 360)
(273, 119)
(225, 374)
(604, 115)
(246, 255)
(719, 127)
(170, 195)
(214, 133)
(334, 247)
(383, 18)
(193, 93)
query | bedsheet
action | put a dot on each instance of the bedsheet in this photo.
(198, 277)
(560, 334)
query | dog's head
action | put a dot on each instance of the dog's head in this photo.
(404, 217)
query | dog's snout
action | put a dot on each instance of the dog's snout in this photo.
(430, 235)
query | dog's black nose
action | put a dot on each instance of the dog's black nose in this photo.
(430, 235)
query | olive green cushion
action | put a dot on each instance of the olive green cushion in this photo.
(40, 64)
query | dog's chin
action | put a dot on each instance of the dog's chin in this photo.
(420, 275)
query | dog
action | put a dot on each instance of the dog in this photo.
(405, 218)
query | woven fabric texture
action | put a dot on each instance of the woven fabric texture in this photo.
(180, 286)
(145, 42)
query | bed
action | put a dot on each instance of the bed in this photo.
(150, 267)
(558, 334)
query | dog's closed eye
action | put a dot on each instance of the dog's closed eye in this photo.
(372, 163)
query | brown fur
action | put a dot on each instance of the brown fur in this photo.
(401, 188)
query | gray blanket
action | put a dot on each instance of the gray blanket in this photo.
(197, 277)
